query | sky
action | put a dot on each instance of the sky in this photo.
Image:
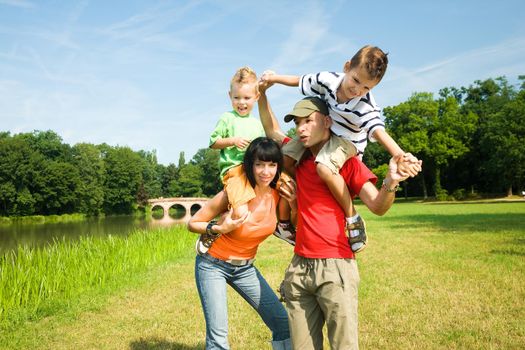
(154, 75)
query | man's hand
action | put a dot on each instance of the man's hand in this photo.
(408, 165)
(397, 173)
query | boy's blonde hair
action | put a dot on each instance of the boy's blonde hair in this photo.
(245, 75)
(373, 59)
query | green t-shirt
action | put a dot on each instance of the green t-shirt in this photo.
(231, 124)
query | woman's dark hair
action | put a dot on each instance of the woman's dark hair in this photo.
(266, 150)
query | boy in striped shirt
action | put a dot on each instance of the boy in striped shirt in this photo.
(356, 119)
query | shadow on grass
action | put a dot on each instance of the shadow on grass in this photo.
(507, 252)
(465, 223)
(161, 344)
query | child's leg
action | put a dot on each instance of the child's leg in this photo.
(239, 191)
(283, 211)
(329, 160)
(239, 211)
(337, 186)
(285, 229)
(354, 223)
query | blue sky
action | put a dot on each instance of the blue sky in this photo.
(154, 75)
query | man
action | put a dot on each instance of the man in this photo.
(322, 279)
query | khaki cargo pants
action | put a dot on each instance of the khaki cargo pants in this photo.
(319, 291)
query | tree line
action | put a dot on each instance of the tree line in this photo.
(471, 141)
(40, 174)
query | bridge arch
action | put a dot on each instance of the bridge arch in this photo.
(190, 204)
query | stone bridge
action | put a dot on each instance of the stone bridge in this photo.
(190, 205)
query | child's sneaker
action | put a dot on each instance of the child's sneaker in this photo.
(357, 234)
(204, 242)
(285, 231)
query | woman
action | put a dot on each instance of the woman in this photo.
(233, 245)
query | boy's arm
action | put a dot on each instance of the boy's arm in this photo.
(387, 142)
(380, 201)
(272, 78)
(409, 165)
(238, 142)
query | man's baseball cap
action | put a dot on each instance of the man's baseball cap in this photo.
(307, 106)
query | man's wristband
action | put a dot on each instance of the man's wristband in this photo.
(388, 189)
(209, 228)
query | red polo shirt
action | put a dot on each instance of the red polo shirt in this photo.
(321, 221)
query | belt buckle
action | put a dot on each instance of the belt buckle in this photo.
(239, 262)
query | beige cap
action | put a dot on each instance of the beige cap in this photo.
(307, 106)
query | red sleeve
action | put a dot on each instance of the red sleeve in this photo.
(356, 174)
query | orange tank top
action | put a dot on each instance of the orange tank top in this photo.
(243, 242)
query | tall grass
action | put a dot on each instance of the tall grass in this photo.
(434, 276)
(36, 282)
(41, 219)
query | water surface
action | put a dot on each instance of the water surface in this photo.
(38, 235)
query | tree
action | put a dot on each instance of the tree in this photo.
(15, 154)
(208, 160)
(502, 142)
(24, 203)
(435, 131)
(486, 99)
(123, 178)
(55, 188)
(7, 198)
(189, 184)
(49, 144)
(409, 124)
(169, 176)
(87, 158)
(450, 135)
(151, 180)
(182, 160)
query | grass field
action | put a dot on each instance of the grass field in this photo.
(434, 276)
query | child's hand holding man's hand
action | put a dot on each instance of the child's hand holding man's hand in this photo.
(266, 80)
(409, 165)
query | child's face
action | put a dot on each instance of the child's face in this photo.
(356, 82)
(243, 97)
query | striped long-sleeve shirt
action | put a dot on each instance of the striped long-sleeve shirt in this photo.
(356, 119)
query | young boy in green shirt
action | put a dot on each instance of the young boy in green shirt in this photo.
(232, 135)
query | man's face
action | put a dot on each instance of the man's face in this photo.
(314, 129)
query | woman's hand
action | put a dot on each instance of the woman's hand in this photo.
(227, 224)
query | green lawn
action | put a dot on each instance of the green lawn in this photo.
(434, 276)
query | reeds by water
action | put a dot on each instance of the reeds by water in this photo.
(35, 281)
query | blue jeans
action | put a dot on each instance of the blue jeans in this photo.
(212, 275)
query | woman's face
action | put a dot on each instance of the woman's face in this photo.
(264, 172)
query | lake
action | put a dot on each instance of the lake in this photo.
(38, 234)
